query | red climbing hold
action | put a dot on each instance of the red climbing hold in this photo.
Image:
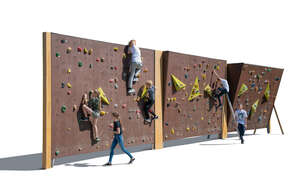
(124, 106)
(97, 59)
(79, 49)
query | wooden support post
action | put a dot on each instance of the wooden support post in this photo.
(224, 119)
(158, 144)
(278, 120)
(46, 158)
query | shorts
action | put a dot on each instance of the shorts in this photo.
(95, 114)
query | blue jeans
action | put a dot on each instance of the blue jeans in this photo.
(118, 139)
(222, 91)
(241, 129)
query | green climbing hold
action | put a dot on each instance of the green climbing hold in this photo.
(277, 79)
(269, 69)
(57, 55)
(57, 152)
(80, 64)
(63, 109)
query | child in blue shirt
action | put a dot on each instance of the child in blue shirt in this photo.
(241, 118)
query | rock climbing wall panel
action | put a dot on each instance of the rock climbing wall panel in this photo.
(188, 110)
(256, 88)
(80, 65)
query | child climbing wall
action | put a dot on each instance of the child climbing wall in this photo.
(80, 65)
(256, 88)
(188, 111)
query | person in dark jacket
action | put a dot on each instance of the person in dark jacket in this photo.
(118, 139)
(150, 99)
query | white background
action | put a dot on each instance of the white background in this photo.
(258, 32)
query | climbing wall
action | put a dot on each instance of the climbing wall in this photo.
(248, 85)
(184, 118)
(79, 65)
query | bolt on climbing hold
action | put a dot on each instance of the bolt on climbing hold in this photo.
(124, 106)
(116, 86)
(277, 79)
(79, 149)
(69, 92)
(203, 76)
(145, 70)
(91, 51)
(172, 131)
(202, 118)
(62, 85)
(74, 107)
(116, 49)
(79, 49)
(63, 109)
(269, 69)
(116, 105)
(188, 129)
(57, 152)
(91, 65)
(69, 85)
(57, 55)
(102, 113)
(80, 64)
(69, 50)
(97, 59)
(186, 75)
(69, 70)
(111, 80)
(85, 51)
(102, 59)
(63, 41)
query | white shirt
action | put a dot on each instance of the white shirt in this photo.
(135, 54)
(241, 116)
(225, 84)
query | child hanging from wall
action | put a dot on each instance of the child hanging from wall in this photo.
(241, 118)
(223, 89)
(149, 101)
(135, 65)
(118, 139)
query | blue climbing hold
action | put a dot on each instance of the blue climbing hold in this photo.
(186, 75)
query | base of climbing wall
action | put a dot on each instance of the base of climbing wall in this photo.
(191, 140)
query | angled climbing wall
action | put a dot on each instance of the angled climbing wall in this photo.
(256, 88)
(188, 110)
(80, 65)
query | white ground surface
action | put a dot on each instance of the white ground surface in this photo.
(257, 32)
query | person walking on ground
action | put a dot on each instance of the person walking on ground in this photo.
(241, 118)
(118, 139)
(223, 89)
(135, 65)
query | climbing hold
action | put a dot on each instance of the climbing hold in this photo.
(168, 104)
(195, 65)
(277, 79)
(97, 59)
(263, 73)
(243, 89)
(80, 64)
(260, 88)
(266, 81)
(256, 88)
(202, 118)
(208, 90)
(269, 69)
(63, 41)
(69, 70)
(111, 80)
(69, 50)
(79, 149)
(74, 107)
(124, 55)
(194, 108)
(188, 129)
(102, 59)
(267, 92)
(68, 129)
(116, 80)
(69, 85)
(259, 118)
(63, 109)
(62, 85)
(57, 55)
(177, 83)
(116, 86)
(79, 49)
(69, 92)
(129, 117)
(102, 113)
(85, 51)
(203, 76)
(116, 105)
(111, 67)
(186, 75)
(115, 67)
(254, 106)
(172, 131)
(253, 84)
(124, 105)
(116, 49)
(103, 97)
(195, 90)
(90, 51)
(208, 121)
(91, 66)
(166, 124)
(57, 152)
(145, 70)
(178, 110)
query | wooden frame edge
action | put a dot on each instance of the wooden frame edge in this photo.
(46, 156)
(158, 144)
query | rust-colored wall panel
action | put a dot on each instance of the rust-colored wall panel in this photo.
(197, 117)
(256, 78)
(70, 137)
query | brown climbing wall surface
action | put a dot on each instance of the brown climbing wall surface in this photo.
(184, 118)
(79, 65)
(256, 79)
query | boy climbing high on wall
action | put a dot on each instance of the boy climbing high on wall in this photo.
(223, 89)
(135, 65)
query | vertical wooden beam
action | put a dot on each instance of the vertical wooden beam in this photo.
(46, 158)
(269, 126)
(158, 144)
(224, 119)
(278, 120)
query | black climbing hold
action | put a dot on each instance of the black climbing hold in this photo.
(102, 59)
(63, 41)
(57, 55)
(91, 65)
(168, 104)
(57, 152)
(166, 124)
(169, 83)
(277, 79)
(186, 75)
(62, 85)
(111, 67)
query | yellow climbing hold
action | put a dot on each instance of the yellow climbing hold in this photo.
(202, 118)
(172, 131)
(208, 90)
(102, 113)
(187, 129)
(91, 51)
(103, 97)
(267, 92)
(116, 49)
(195, 90)
(203, 76)
(177, 83)
(69, 85)
(254, 106)
(243, 89)
(69, 70)
(85, 51)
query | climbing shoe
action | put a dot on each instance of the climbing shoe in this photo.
(155, 117)
(148, 120)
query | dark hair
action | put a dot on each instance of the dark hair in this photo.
(116, 114)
